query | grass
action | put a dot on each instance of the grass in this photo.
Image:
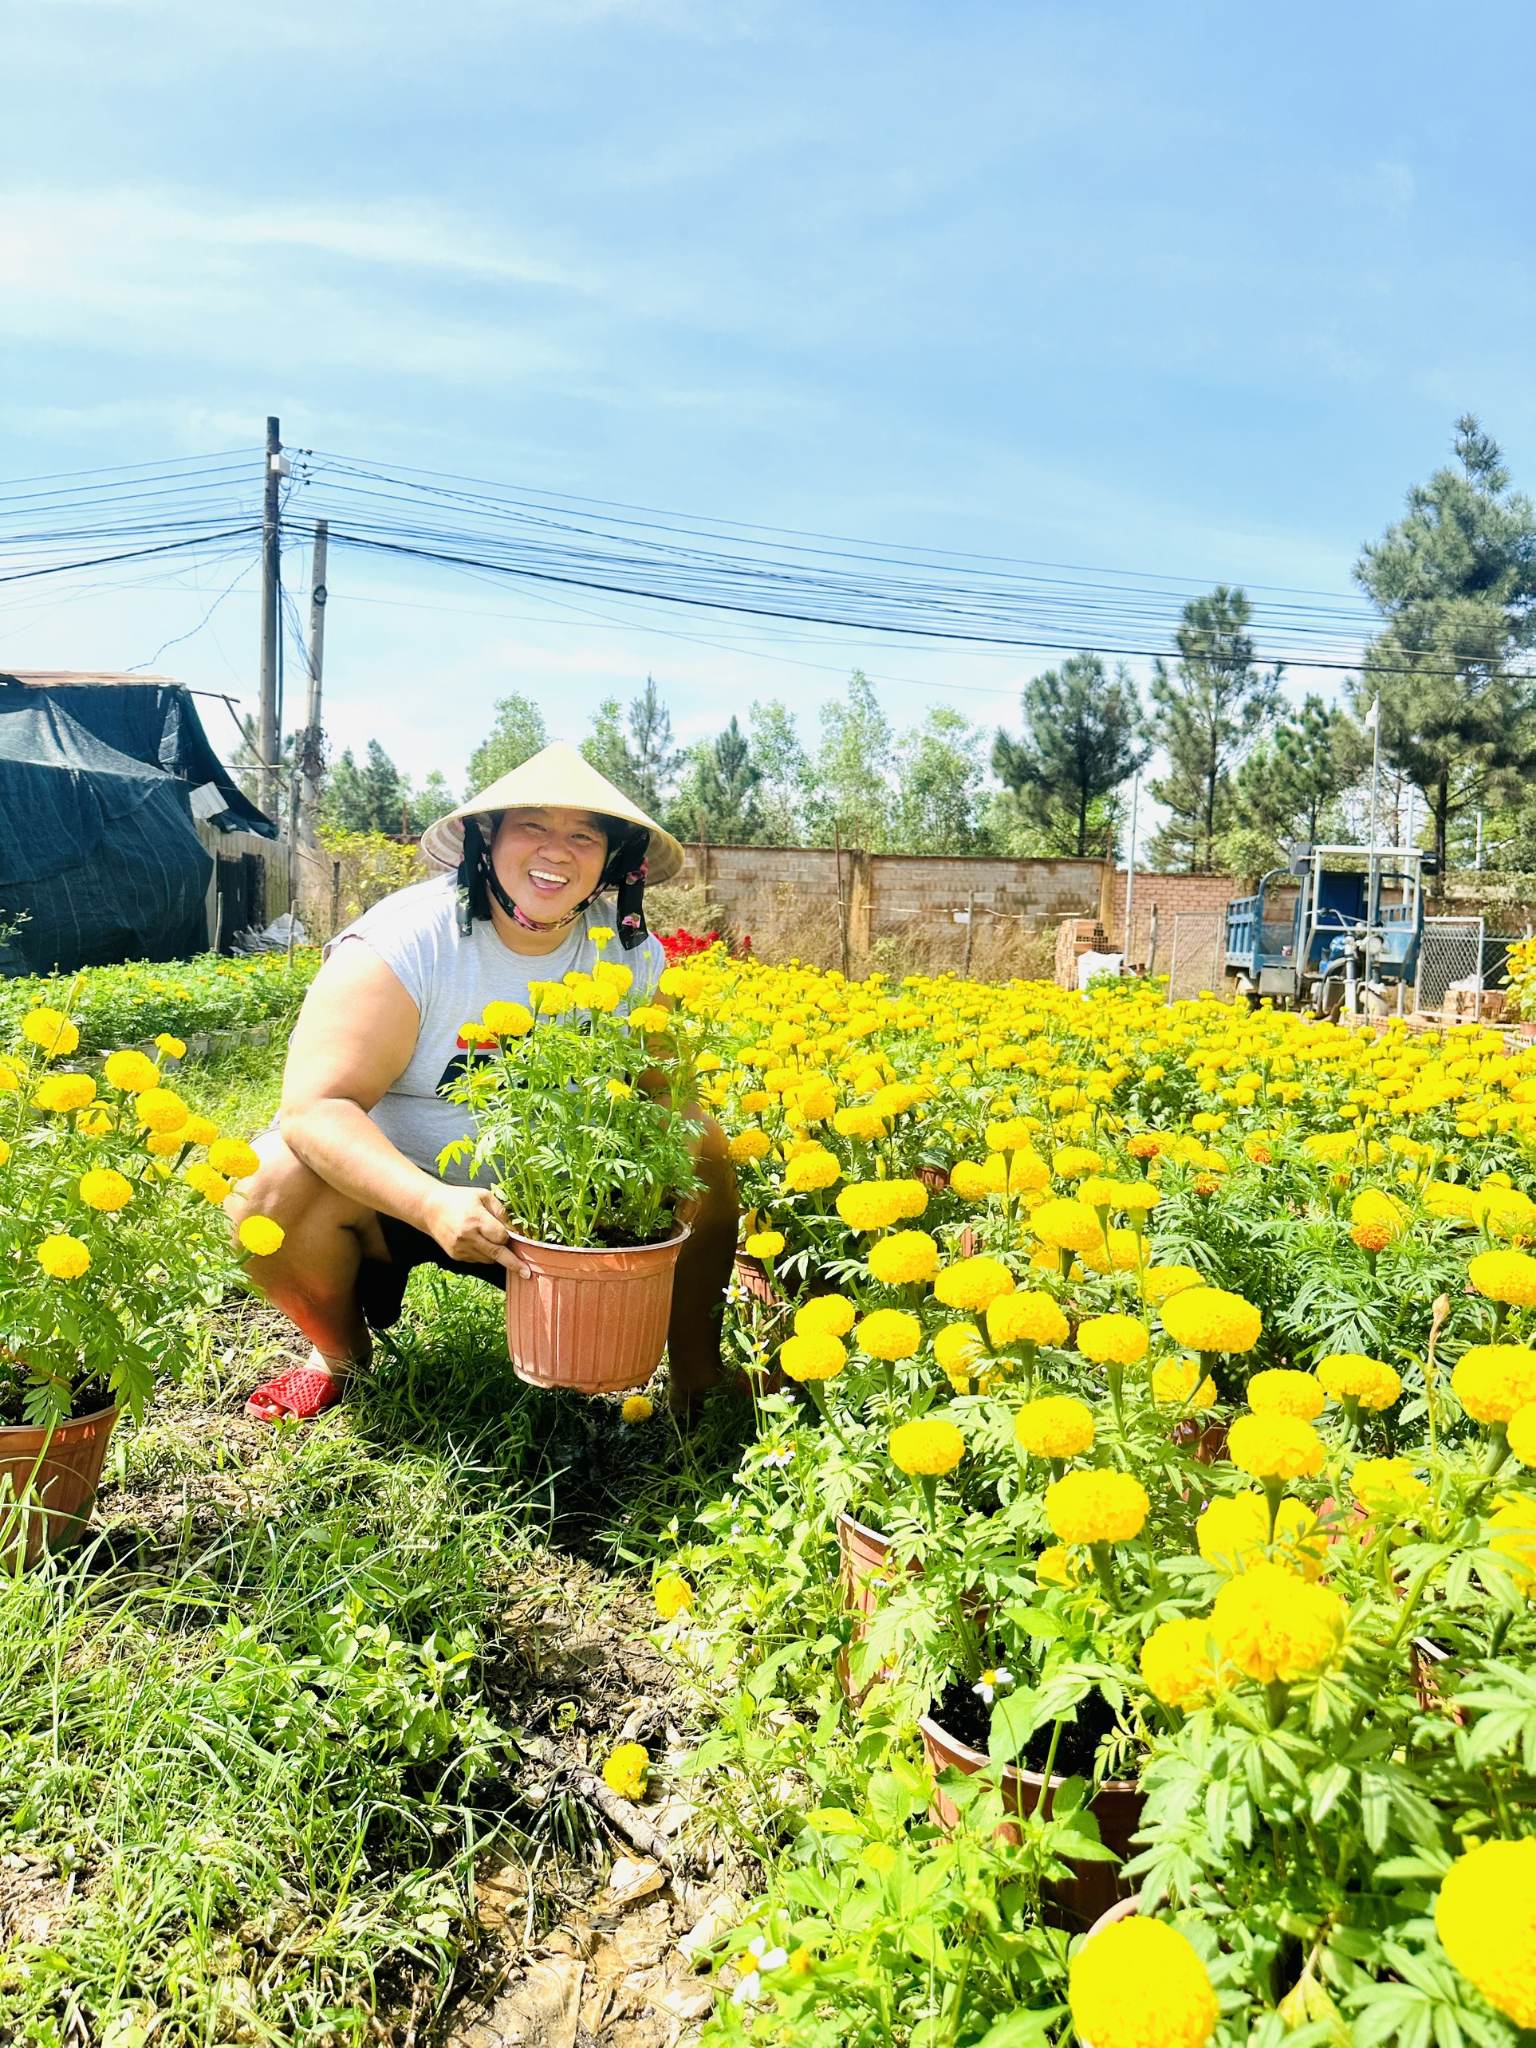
(256, 1738)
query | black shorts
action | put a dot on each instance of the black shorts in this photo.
(381, 1283)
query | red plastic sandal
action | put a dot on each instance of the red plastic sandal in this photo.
(296, 1395)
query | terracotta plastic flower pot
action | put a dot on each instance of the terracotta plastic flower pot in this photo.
(1207, 1440)
(934, 1177)
(1117, 1807)
(595, 1321)
(48, 1482)
(864, 1570)
(756, 1281)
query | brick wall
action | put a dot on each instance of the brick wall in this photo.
(1173, 896)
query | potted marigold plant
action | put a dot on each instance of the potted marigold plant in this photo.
(109, 1242)
(582, 1129)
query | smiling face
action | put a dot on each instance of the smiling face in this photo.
(548, 860)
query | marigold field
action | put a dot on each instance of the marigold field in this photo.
(1131, 1511)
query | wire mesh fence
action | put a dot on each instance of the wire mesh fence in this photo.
(1451, 952)
(1197, 954)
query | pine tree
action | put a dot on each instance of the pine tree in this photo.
(656, 760)
(1290, 786)
(1207, 710)
(1083, 736)
(718, 800)
(1456, 582)
(517, 735)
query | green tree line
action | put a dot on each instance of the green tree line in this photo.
(1240, 768)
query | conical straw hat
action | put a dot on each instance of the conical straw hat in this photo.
(558, 776)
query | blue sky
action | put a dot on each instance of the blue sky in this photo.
(1189, 289)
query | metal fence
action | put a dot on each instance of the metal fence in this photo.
(1451, 951)
(1197, 954)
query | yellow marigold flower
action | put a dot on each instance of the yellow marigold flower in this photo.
(1096, 1507)
(1140, 1984)
(1279, 1391)
(764, 1244)
(1275, 1626)
(508, 1020)
(1351, 1376)
(1374, 1208)
(1388, 1485)
(1211, 1319)
(1522, 1428)
(750, 1144)
(60, 1093)
(1509, 1277)
(957, 1347)
(200, 1130)
(1054, 1426)
(1494, 1381)
(859, 1120)
(5, 1151)
(161, 1110)
(904, 1258)
(926, 1448)
(131, 1071)
(889, 1333)
(972, 1183)
(600, 935)
(635, 1408)
(673, 1596)
(213, 1187)
(1275, 1447)
(973, 1283)
(1144, 1144)
(812, 1355)
(260, 1236)
(105, 1189)
(1027, 1316)
(1163, 1282)
(164, 1144)
(825, 1315)
(232, 1157)
(63, 1257)
(51, 1032)
(627, 1770)
(1234, 1528)
(1178, 1383)
(648, 1017)
(1178, 1666)
(1054, 1567)
(1486, 1919)
(1113, 1340)
(1513, 1526)
(1067, 1225)
(811, 1170)
(755, 1101)
(173, 1048)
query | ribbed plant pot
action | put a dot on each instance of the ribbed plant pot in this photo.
(864, 1567)
(755, 1280)
(48, 1482)
(1206, 1440)
(595, 1321)
(934, 1177)
(1117, 1807)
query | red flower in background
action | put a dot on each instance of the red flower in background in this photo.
(681, 944)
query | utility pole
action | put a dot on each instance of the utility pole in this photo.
(271, 552)
(310, 760)
(1130, 881)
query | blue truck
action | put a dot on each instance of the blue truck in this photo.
(1336, 931)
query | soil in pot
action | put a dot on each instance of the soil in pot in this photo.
(1117, 1804)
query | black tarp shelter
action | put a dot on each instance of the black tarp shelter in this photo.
(100, 860)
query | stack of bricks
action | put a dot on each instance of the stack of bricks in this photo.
(1076, 936)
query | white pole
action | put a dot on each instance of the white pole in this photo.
(1477, 858)
(1130, 872)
